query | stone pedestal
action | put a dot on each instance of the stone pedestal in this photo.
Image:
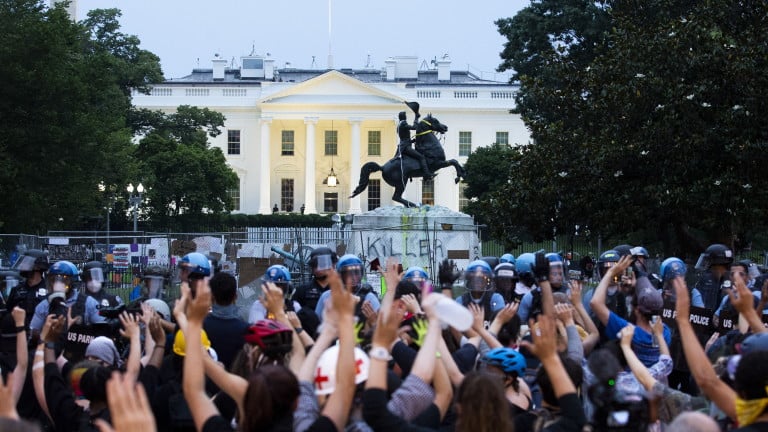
(421, 237)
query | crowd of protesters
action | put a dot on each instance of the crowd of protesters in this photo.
(527, 346)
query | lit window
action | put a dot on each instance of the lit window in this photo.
(331, 142)
(374, 194)
(286, 195)
(465, 143)
(374, 143)
(233, 142)
(287, 143)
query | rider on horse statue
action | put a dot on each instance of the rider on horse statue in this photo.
(405, 148)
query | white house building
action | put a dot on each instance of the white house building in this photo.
(288, 129)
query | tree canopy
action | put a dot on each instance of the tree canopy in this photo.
(646, 119)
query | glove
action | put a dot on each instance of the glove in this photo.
(420, 327)
(447, 274)
(541, 267)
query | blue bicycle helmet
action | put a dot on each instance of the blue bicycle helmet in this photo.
(506, 359)
(197, 264)
(507, 258)
(671, 268)
(478, 276)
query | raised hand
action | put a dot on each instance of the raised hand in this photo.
(130, 326)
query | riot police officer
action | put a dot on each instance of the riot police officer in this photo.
(93, 278)
(321, 260)
(713, 264)
(31, 266)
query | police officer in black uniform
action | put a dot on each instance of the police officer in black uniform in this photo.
(31, 266)
(92, 276)
(713, 264)
(308, 294)
(404, 147)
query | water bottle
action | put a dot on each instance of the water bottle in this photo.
(451, 313)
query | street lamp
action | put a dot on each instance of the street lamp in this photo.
(135, 200)
(103, 188)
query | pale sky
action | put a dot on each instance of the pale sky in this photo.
(186, 34)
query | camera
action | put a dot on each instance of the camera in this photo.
(575, 274)
(615, 410)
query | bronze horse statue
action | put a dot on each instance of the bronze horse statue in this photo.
(398, 170)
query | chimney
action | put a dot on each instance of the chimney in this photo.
(389, 66)
(444, 68)
(269, 68)
(219, 66)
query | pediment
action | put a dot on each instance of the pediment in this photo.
(332, 87)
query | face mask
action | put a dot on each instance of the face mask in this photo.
(747, 411)
(93, 286)
(59, 286)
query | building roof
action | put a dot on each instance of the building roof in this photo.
(370, 76)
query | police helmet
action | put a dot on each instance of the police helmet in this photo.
(320, 251)
(416, 274)
(350, 265)
(507, 258)
(715, 254)
(32, 260)
(478, 276)
(93, 270)
(197, 264)
(671, 268)
(524, 263)
(607, 260)
(9, 279)
(623, 249)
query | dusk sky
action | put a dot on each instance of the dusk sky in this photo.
(187, 34)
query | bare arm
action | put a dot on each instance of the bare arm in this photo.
(234, 385)
(454, 373)
(147, 313)
(133, 333)
(479, 327)
(272, 299)
(698, 363)
(505, 314)
(593, 334)
(442, 384)
(22, 356)
(638, 368)
(324, 340)
(598, 297)
(743, 301)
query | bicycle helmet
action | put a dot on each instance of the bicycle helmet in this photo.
(274, 338)
(506, 359)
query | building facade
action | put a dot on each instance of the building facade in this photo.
(287, 130)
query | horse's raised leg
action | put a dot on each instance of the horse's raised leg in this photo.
(398, 197)
(460, 171)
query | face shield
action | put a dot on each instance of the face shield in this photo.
(154, 286)
(505, 280)
(556, 274)
(703, 262)
(352, 276)
(95, 280)
(58, 285)
(8, 284)
(478, 281)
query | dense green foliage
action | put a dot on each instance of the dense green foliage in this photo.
(647, 120)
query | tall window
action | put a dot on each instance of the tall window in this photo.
(374, 194)
(233, 142)
(428, 192)
(463, 200)
(234, 197)
(331, 202)
(286, 195)
(465, 143)
(374, 143)
(287, 143)
(331, 142)
(502, 137)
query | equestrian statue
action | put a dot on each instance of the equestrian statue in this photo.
(408, 163)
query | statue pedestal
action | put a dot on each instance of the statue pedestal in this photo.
(421, 237)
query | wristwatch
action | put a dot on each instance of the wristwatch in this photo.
(379, 353)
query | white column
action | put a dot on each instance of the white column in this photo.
(264, 181)
(354, 165)
(309, 168)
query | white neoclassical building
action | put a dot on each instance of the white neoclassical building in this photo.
(288, 129)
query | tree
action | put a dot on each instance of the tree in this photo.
(184, 174)
(63, 106)
(656, 126)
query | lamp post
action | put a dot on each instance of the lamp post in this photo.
(135, 201)
(103, 188)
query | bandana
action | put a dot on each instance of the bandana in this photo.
(747, 411)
